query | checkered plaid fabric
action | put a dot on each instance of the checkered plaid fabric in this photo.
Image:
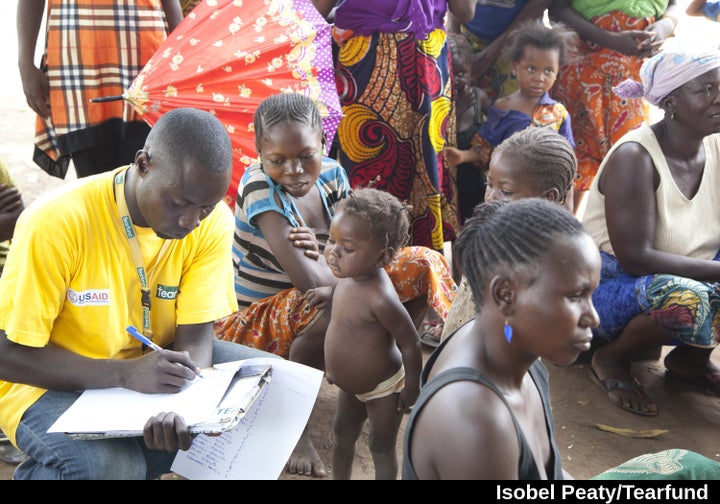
(94, 48)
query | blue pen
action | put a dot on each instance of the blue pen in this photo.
(132, 331)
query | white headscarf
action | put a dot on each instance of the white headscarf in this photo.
(667, 71)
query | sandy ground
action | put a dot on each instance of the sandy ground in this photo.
(689, 416)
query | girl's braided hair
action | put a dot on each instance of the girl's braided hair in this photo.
(284, 108)
(514, 235)
(545, 155)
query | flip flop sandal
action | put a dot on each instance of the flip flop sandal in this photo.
(610, 384)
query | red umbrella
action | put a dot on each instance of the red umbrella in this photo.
(227, 56)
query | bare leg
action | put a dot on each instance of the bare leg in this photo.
(308, 349)
(612, 362)
(350, 415)
(384, 426)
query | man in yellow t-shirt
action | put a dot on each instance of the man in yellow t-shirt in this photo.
(11, 204)
(145, 245)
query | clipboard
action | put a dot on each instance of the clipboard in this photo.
(211, 405)
(243, 391)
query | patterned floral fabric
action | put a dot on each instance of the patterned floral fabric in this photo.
(396, 96)
(672, 464)
(687, 308)
(226, 56)
(600, 117)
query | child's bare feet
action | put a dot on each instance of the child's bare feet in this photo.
(305, 459)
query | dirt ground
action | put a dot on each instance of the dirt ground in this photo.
(689, 416)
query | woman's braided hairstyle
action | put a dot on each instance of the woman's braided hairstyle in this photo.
(510, 235)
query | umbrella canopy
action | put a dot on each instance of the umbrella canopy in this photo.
(227, 56)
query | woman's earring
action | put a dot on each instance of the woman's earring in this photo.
(672, 116)
(508, 331)
(513, 74)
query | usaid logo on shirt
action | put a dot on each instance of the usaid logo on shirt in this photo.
(90, 297)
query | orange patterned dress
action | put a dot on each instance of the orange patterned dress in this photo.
(272, 323)
(599, 117)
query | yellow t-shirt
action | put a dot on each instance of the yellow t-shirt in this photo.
(70, 281)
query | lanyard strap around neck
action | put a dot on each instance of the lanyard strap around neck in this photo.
(136, 251)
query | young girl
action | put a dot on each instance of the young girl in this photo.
(372, 351)
(534, 162)
(284, 208)
(484, 410)
(536, 52)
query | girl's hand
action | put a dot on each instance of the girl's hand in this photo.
(453, 156)
(304, 238)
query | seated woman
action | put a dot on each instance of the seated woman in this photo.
(654, 212)
(484, 407)
(282, 217)
(532, 162)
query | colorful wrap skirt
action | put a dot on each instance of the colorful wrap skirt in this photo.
(272, 323)
(599, 116)
(396, 95)
(687, 308)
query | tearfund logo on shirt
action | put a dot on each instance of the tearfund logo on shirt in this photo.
(166, 292)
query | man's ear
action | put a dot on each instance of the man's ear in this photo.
(503, 294)
(141, 161)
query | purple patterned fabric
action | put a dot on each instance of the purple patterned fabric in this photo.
(366, 17)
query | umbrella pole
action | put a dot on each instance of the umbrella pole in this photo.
(101, 99)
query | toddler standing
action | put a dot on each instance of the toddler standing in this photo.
(372, 349)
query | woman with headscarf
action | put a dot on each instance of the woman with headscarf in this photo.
(654, 212)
